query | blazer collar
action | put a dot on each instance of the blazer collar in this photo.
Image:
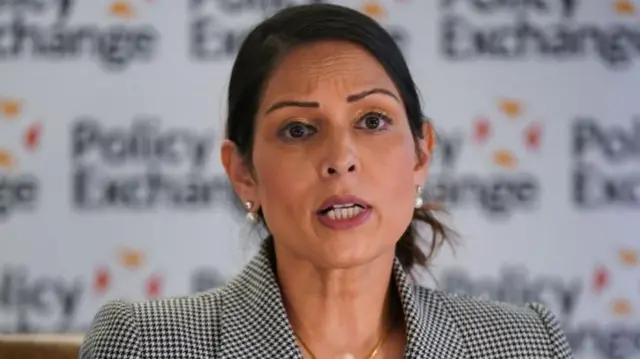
(254, 323)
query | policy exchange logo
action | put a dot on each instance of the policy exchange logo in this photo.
(515, 31)
(509, 135)
(610, 278)
(19, 139)
(56, 32)
(53, 303)
(498, 183)
(615, 283)
(131, 265)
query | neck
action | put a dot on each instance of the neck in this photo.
(337, 311)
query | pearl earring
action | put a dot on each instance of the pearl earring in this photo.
(251, 217)
(419, 201)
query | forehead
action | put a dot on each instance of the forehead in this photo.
(340, 68)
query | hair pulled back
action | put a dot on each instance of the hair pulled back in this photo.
(273, 38)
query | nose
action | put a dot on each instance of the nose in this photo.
(340, 158)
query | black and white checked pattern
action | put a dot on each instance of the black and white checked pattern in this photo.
(246, 319)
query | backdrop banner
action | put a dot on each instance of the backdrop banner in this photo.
(112, 113)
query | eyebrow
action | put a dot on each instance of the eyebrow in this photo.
(314, 104)
(281, 104)
(361, 95)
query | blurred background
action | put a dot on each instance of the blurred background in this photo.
(112, 112)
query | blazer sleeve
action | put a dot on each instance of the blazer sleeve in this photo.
(559, 342)
(113, 334)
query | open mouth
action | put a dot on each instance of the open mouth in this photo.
(342, 211)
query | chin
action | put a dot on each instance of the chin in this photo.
(350, 251)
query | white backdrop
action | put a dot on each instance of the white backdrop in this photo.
(537, 103)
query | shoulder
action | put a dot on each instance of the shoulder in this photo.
(170, 326)
(489, 325)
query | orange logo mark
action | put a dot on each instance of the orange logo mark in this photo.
(10, 108)
(131, 259)
(122, 9)
(621, 307)
(505, 159)
(374, 10)
(7, 161)
(624, 7)
(629, 257)
(511, 108)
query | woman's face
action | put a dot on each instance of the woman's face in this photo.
(335, 167)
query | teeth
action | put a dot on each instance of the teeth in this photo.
(344, 213)
(346, 205)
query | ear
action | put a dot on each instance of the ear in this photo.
(424, 150)
(238, 172)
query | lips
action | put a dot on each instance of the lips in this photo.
(344, 212)
(343, 206)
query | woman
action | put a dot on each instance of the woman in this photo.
(327, 148)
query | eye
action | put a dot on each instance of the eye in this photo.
(297, 130)
(374, 121)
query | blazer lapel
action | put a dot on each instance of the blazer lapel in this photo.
(254, 323)
(431, 331)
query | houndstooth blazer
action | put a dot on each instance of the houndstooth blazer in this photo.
(246, 319)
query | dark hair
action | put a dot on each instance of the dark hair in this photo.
(272, 39)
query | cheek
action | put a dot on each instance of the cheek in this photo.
(392, 161)
(390, 168)
(283, 181)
